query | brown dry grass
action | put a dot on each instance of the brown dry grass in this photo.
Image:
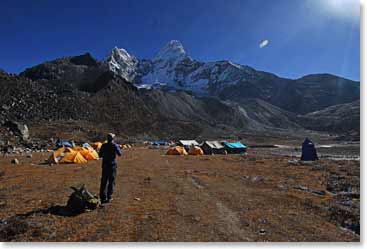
(191, 198)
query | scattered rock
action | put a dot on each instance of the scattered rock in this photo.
(282, 187)
(293, 162)
(15, 161)
(305, 189)
(198, 182)
(245, 178)
(137, 199)
(307, 162)
(196, 218)
(257, 179)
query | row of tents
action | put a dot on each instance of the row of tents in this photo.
(97, 145)
(77, 154)
(68, 152)
(192, 147)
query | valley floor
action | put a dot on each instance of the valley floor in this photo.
(261, 196)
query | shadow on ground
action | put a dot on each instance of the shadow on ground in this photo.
(19, 224)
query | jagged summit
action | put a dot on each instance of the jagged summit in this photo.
(172, 51)
(121, 62)
(173, 70)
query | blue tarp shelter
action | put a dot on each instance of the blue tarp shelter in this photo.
(235, 148)
(67, 144)
(60, 143)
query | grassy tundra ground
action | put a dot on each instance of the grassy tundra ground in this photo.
(257, 197)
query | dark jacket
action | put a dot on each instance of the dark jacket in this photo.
(108, 153)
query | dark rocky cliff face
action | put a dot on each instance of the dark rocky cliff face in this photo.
(74, 72)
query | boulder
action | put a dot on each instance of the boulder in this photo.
(19, 129)
(15, 161)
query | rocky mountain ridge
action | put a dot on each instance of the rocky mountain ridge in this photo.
(173, 69)
(190, 99)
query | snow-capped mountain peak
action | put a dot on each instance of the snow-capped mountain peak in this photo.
(121, 54)
(173, 69)
(121, 62)
(172, 51)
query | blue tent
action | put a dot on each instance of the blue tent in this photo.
(235, 148)
(67, 144)
(86, 145)
(158, 143)
(60, 143)
(308, 151)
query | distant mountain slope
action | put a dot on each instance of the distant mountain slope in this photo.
(24, 100)
(117, 105)
(173, 69)
(173, 95)
(269, 115)
(343, 118)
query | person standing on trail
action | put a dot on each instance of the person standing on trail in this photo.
(108, 153)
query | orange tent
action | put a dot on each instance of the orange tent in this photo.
(88, 153)
(178, 150)
(196, 151)
(73, 157)
(58, 154)
(69, 155)
(97, 146)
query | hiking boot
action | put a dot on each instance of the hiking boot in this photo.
(109, 199)
(104, 201)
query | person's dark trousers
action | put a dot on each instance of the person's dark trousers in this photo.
(107, 182)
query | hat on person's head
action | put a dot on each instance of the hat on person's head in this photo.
(110, 136)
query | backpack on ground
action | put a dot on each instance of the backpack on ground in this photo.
(82, 200)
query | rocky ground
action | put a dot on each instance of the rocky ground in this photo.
(261, 196)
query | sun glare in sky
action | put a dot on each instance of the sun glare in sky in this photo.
(341, 8)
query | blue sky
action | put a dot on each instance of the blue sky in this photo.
(304, 36)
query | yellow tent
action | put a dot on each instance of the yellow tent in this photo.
(97, 145)
(124, 146)
(195, 150)
(69, 155)
(87, 152)
(58, 154)
(178, 150)
(73, 157)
